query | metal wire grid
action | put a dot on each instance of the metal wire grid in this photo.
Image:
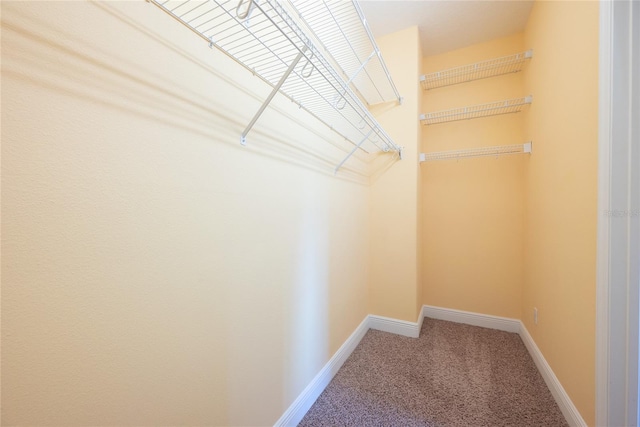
(264, 39)
(477, 152)
(479, 70)
(476, 111)
(342, 31)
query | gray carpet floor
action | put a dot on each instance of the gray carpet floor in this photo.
(452, 375)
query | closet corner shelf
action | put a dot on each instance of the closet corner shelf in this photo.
(507, 106)
(502, 150)
(264, 38)
(476, 71)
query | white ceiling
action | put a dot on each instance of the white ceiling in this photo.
(448, 25)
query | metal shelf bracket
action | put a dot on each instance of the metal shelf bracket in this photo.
(353, 151)
(276, 88)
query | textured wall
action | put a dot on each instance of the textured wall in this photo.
(473, 210)
(154, 271)
(561, 193)
(394, 193)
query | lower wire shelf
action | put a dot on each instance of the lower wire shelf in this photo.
(477, 152)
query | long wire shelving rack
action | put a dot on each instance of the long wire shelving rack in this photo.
(344, 35)
(477, 152)
(476, 71)
(267, 41)
(507, 106)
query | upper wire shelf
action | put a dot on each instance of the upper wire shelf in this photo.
(476, 111)
(263, 38)
(342, 31)
(477, 152)
(479, 70)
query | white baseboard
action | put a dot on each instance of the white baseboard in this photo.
(469, 318)
(395, 326)
(420, 320)
(567, 407)
(294, 414)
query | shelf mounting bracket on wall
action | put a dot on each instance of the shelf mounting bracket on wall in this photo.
(276, 88)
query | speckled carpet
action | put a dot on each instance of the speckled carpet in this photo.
(452, 375)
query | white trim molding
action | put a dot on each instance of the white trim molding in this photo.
(602, 261)
(294, 414)
(395, 326)
(563, 400)
(470, 318)
(618, 276)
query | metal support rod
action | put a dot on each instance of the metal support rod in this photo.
(344, 91)
(364, 64)
(276, 88)
(353, 151)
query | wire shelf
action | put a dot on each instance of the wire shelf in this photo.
(342, 31)
(263, 38)
(479, 70)
(477, 152)
(476, 111)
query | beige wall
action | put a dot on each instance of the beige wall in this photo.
(420, 190)
(473, 209)
(561, 189)
(154, 271)
(394, 190)
(502, 236)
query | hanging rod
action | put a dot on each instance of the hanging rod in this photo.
(477, 152)
(263, 38)
(507, 106)
(342, 31)
(476, 71)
